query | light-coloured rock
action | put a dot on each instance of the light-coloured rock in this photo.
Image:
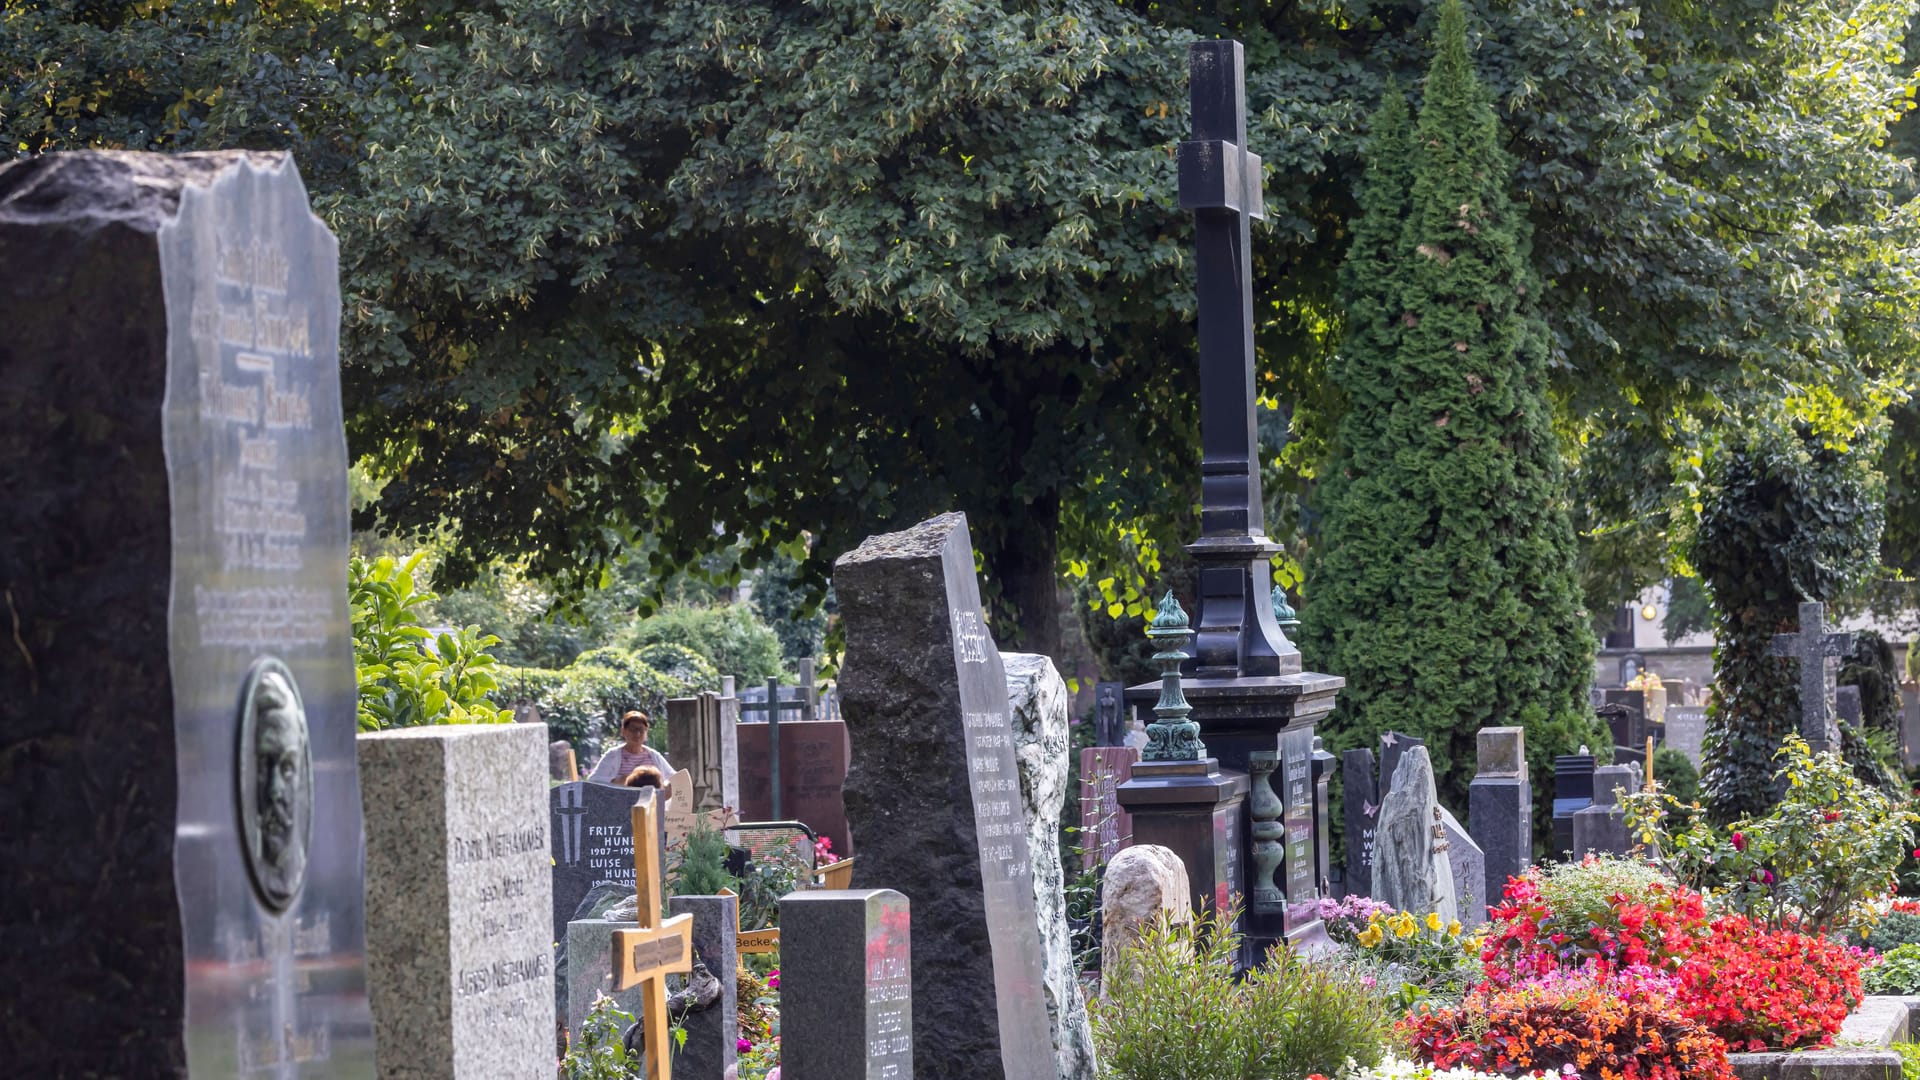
(1407, 870)
(1142, 882)
(1038, 698)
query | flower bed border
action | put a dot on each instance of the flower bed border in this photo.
(1858, 1052)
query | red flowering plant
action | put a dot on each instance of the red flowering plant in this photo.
(1577, 1023)
(1817, 862)
(1765, 989)
(1601, 915)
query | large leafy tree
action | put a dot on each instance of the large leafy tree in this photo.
(709, 269)
(1444, 586)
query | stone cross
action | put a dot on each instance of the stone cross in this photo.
(1220, 181)
(653, 950)
(1813, 646)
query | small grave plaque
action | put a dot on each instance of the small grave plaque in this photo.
(1687, 730)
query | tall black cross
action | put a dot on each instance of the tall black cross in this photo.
(1235, 633)
(1812, 646)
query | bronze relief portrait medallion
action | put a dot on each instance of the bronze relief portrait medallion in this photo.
(274, 770)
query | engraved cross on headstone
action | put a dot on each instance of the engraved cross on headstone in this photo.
(1815, 648)
(1220, 181)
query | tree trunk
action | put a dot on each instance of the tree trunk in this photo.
(1025, 565)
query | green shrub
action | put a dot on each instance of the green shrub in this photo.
(1898, 972)
(1678, 778)
(602, 1052)
(701, 869)
(1173, 1011)
(583, 702)
(1909, 1060)
(1894, 930)
(1582, 892)
(681, 663)
(728, 636)
(407, 675)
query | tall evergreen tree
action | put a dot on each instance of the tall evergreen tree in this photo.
(1444, 588)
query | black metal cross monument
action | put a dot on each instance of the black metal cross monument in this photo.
(1254, 705)
(1220, 181)
(1814, 647)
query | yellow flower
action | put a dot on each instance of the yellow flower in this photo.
(1454, 928)
(1369, 937)
(1403, 925)
(1433, 921)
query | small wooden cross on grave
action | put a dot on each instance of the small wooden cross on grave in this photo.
(1813, 646)
(653, 950)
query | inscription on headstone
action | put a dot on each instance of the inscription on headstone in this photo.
(592, 830)
(847, 994)
(1361, 813)
(173, 471)
(1105, 825)
(1296, 771)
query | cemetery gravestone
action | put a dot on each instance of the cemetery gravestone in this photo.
(813, 771)
(1602, 827)
(934, 792)
(712, 1046)
(1687, 730)
(592, 843)
(1469, 865)
(173, 468)
(1411, 868)
(1572, 793)
(1361, 805)
(1500, 808)
(1817, 652)
(702, 739)
(1105, 825)
(1909, 726)
(847, 978)
(1846, 705)
(458, 899)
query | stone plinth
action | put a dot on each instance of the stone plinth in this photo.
(1194, 809)
(1500, 808)
(458, 899)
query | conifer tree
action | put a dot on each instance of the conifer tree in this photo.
(1443, 585)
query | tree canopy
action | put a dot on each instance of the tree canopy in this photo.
(711, 269)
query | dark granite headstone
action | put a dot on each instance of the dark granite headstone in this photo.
(592, 831)
(1602, 827)
(813, 774)
(1846, 705)
(183, 876)
(711, 1049)
(1500, 808)
(934, 795)
(1360, 798)
(1109, 714)
(1294, 778)
(1572, 792)
(846, 996)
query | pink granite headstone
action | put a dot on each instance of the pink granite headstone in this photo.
(1105, 827)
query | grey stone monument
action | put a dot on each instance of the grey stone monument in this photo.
(1043, 744)
(1687, 730)
(1817, 652)
(1411, 870)
(1602, 827)
(703, 738)
(846, 992)
(1500, 808)
(179, 673)
(458, 895)
(1469, 865)
(933, 792)
(707, 1006)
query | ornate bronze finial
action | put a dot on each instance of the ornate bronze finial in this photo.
(1283, 612)
(1172, 737)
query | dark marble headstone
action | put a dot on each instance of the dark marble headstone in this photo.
(711, 1049)
(813, 773)
(1360, 798)
(1572, 792)
(1294, 778)
(846, 996)
(1109, 714)
(592, 831)
(934, 795)
(173, 469)
(1500, 808)
(1602, 827)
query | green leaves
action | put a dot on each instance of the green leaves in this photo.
(407, 675)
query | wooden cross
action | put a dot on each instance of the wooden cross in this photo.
(655, 949)
(1812, 646)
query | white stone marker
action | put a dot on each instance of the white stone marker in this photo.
(459, 899)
